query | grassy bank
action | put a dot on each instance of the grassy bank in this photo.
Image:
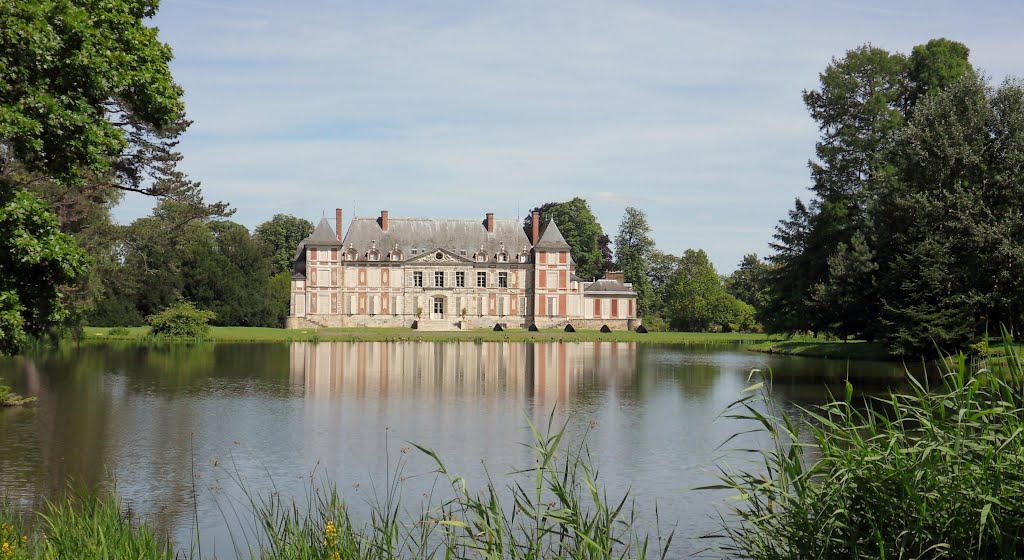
(819, 348)
(259, 334)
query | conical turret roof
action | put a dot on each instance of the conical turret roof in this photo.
(551, 239)
(322, 234)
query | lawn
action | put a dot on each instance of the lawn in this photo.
(259, 334)
(820, 348)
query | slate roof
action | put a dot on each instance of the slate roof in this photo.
(609, 287)
(323, 234)
(423, 235)
(551, 238)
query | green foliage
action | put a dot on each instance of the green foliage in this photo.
(848, 303)
(936, 65)
(633, 246)
(279, 237)
(183, 319)
(557, 511)
(661, 267)
(697, 301)
(86, 527)
(931, 474)
(280, 290)
(64, 67)
(749, 283)
(88, 108)
(913, 234)
(36, 260)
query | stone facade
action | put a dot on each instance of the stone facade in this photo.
(449, 275)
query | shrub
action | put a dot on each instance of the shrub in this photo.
(182, 319)
(936, 473)
(118, 331)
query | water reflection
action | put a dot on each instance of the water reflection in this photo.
(543, 374)
(157, 420)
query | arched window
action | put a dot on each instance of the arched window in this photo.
(350, 253)
(480, 256)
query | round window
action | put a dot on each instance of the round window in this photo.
(439, 255)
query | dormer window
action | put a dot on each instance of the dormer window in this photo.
(503, 257)
(480, 256)
(350, 253)
(373, 254)
(395, 254)
(523, 257)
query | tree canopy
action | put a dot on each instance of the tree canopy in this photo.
(88, 109)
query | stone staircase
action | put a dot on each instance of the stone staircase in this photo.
(437, 325)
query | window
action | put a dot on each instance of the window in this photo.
(414, 251)
(460, 279)
(439, 255)
(503, 257)
(417, 279)
(522, 305)
(439, 279)
(462, 252)
(502, 279)
(481, 279)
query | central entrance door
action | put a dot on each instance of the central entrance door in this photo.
(438, 311)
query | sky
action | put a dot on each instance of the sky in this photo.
(689, 111)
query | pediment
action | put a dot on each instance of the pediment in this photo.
(439, 256)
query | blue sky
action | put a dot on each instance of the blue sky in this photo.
(690, 111)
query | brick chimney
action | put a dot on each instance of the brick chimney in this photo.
(490, 222)
(337, 222)
(616, 275)
(536, 227)
(384, 220)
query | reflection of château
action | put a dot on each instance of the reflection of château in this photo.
(442, 274)
(490, 369)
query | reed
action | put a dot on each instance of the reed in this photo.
(553, 509)
(937, 472)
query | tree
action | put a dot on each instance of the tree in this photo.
(849, 302)
(279, 237)
(694, 292)
(936, 65)
(660, 271)
(87, 104)
(950, 233)
(749, 282)
(633, 246)
(36, 261)
(580, 229)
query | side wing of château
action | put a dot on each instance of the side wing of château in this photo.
(444, 274)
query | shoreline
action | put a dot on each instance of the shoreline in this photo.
(265, 334)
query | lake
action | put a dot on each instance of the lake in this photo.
(179, 430)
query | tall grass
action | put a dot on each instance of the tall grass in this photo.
(934, 473)
(555, 508)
